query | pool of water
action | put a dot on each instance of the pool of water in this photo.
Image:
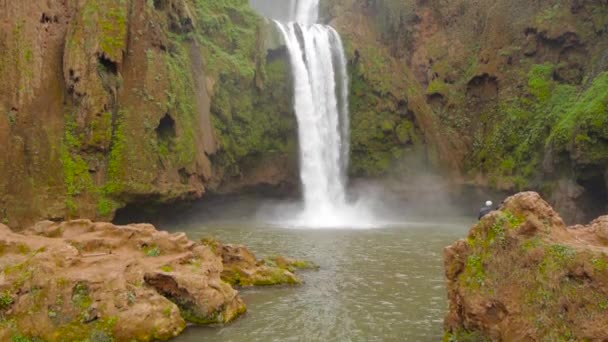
(384, 284)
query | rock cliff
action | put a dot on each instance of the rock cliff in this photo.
(507, 94)
(109, 102)
(522, 275)
(105, 103)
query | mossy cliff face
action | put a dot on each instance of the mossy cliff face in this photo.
(110, 102)
(388, 115)
(522, 275)
(512, 94)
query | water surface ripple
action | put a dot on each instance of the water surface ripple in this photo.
(373, 285)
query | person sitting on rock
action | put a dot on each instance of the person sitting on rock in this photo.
(485, 210)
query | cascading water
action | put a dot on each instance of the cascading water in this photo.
(321, 104)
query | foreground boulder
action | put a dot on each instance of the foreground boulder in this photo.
(80, 280)
(522, 275)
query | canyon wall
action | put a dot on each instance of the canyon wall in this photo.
(105, 103)
(512, 94)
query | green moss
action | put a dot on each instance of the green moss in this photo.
(81, 297)
(561, 253)
(213, 243)
(437, 86)
(77, 177)
(101, 131)
(105, 22)
(266, 276)
(379, 133)
(600, 264)
(515, 145)
(105, 207)
(531, 244)
(98, 331)
(273, 276)
(540, 81)
(167, 268)
(583, 129)
(113, 23)
(152, 251)
(252, 122)
(406, 133)
(117, 163)
(6, 300)
(474, 275)
(229, 34)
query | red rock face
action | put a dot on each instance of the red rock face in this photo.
(523, 275)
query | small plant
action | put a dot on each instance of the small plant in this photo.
(475, 271)
(6, 300)
(514, 221)
(168, 311)
(12, 118)
(152, 251)
(21, 338)
(212, 243)
(80, 296)
(23, 249)
(562, 253)
(599, 264)
(167, 268)
(131, 297)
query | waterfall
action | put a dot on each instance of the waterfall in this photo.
(320, 76)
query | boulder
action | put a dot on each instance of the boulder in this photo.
(242, 268)
(522, 275)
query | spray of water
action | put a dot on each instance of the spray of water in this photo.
(319, 70)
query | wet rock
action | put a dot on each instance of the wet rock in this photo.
(241, 268)
(522, 275)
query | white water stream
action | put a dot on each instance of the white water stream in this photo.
(319, 70)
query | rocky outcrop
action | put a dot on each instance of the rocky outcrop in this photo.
(80, 280)
(105, 103)
(523, 275)
(241, 268)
